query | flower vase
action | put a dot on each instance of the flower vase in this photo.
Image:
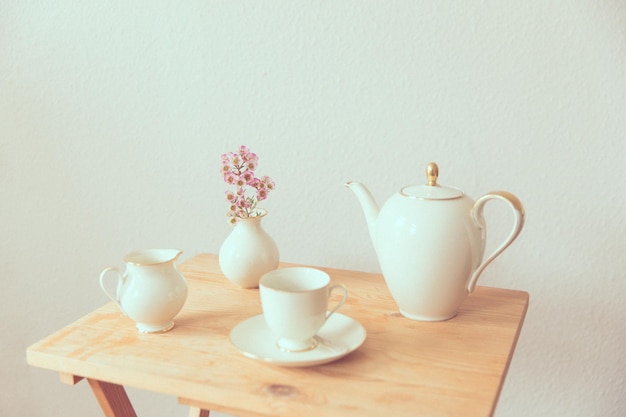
(248, 252)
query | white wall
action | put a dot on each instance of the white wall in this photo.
(113, 116)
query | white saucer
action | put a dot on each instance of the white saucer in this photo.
(339, 336)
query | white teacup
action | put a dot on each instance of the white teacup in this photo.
(295, 305)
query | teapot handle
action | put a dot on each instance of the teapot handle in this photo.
(120, 282)
(479, 220)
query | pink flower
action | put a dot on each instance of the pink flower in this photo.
(230, 196)
(254, 183)
(230, 178)
(238, 169)
(269, 183)
(248, 176)
(251, 165)
(240, 182)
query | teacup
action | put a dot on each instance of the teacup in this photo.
(295, 305)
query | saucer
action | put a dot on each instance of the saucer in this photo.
(339, 336)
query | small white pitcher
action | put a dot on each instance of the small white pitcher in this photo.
(151, 291)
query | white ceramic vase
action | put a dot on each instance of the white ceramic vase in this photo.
(248, 252)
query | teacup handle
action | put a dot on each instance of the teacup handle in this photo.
(479, 220)
(342, 302)
(120, 281)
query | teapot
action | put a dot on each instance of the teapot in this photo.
(151, 291)
(430, 241)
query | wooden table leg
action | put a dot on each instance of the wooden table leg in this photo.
(112, 399)
(198, 412)
(70, 379)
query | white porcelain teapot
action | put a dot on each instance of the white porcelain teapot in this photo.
(430, 242)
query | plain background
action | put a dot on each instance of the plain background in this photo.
(113, 117)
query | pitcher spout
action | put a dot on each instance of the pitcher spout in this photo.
(368, 204)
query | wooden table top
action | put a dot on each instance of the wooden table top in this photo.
(404, 367)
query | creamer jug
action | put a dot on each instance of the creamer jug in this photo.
(151, 291)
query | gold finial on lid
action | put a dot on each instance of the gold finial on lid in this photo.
(432, 172)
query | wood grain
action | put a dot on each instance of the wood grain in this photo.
(404, 368)
(112, 399)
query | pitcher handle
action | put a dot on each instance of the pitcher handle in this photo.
(343, 300)
(479, 220)
(120, 281)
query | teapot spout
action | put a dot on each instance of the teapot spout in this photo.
(368, 204)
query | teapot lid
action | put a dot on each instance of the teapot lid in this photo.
(431, 190)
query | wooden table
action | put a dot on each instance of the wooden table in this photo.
(404, 367)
